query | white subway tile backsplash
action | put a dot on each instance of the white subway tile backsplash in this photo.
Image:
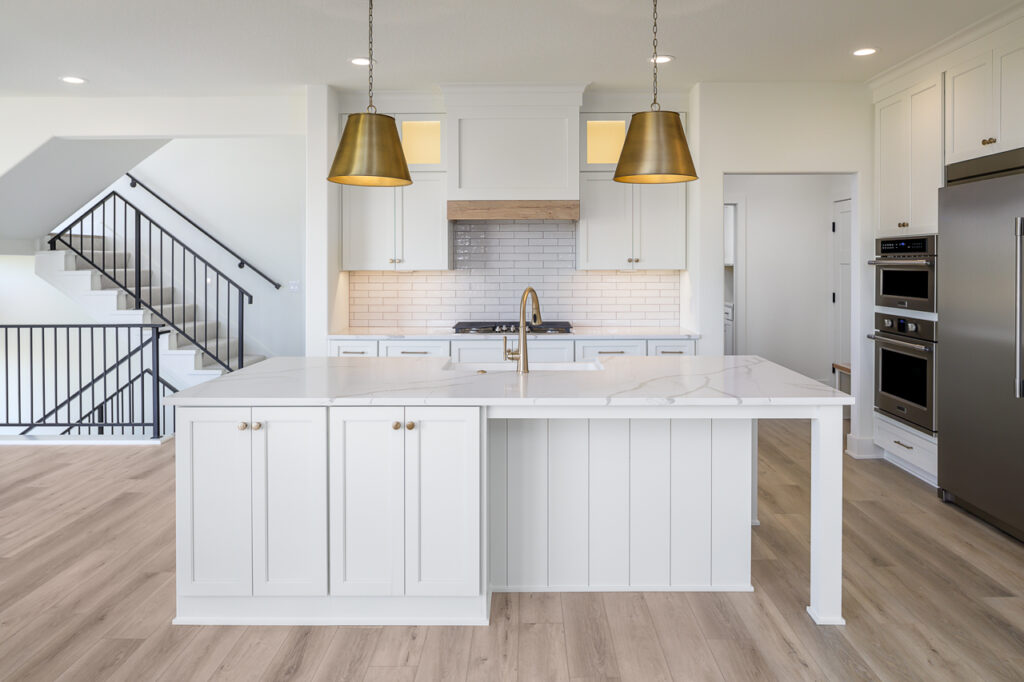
(494, 262)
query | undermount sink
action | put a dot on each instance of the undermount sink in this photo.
(487, 367)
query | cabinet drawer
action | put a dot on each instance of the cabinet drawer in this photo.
(672, 347)
(413, 349)
(907, 445)
(343, 348)
(550, 350)
(479, 350)
(591, 350)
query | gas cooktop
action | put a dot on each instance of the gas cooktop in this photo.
(557, 327)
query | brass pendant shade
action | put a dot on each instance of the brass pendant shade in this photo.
(370, 153)
(655, 150)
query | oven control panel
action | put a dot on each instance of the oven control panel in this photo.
(910, 247)
(906, 326)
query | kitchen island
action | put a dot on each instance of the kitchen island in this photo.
(407, 490)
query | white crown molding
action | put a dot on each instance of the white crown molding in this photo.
(392, 101)
(512, 94)
(916, 66)
(624, 102)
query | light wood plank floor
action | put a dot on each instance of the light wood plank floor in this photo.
(87, 593)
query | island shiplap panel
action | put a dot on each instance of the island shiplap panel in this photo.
(568, 502)
(527, 502)
(730, 502)
(618, 504)
(609, 502)
(691, 502)
(649, 506)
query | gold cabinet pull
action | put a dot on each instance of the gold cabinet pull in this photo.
(904, 445)
(242, 426)
(989, 140)
(410, 425)
(396, 425)
(256, 426)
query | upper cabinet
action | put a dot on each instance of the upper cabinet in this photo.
(423, 141)
(985, 104)
(601, 140)
(396, 228)
(630, 227)
(513, 142)
(908, 131)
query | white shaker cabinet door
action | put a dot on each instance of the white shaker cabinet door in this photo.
(1009, 83)
(926, 168)
(969, 116)
(366, 500)
(214, 465)
(289, 500)
(422, 224)
(893, 164)
(442, 501)
(659, 227)
(368, 217)
(606, 223)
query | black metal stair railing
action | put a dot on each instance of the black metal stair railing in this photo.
(62, 376)
(163, 275)
(120, 408)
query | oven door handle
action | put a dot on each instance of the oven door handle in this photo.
(899, 261)
(1018, 332)
(901, 344)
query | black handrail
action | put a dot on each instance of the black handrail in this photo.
(125, 221)
(72, 363)
(242, 263)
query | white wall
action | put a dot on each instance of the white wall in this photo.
(37, 119)
(779, 128)
(250, 194)
(28, 299)
(784, 261)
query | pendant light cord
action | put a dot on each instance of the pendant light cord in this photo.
(654, 103)
(370, 108)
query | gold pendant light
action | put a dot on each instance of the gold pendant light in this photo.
(655, 149)
(370, 153)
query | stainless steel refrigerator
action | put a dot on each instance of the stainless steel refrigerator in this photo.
(980, 403)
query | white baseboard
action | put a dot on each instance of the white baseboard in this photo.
(83, 440)
(861, 447)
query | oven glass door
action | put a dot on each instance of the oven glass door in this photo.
(904, 381)
(904, 376)
(906, 286)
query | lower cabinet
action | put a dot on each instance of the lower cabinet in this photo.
(405, 501)
(252, 491)
(493, 350)
(591, 350)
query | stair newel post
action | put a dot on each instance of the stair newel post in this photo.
(138, 260)
(241, 329)
(155, 340)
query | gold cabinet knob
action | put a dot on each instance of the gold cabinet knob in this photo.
(256, 426)
(410, 425)
(629, 260)
(391, 260)
(989, 140)
(636, 260)
(242, 426)
(398, 260)
(396, 425)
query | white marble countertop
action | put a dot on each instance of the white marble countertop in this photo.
(622, 381)
(578, 333)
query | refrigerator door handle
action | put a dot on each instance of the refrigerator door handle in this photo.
(1018, 388)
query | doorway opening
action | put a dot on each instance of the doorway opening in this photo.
(788, 241)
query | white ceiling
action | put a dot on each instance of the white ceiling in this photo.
(187, 47)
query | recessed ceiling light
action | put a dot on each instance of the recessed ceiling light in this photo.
(662, 58)
(73, 80)
(360, 61)
(864, 52)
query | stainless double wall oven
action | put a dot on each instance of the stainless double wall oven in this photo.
(905, 351)
(905, 273)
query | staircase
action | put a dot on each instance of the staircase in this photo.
(124, 268)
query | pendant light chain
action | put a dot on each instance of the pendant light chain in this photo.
(654, 104)
(370, 108)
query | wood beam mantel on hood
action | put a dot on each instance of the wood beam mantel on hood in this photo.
(557, 209)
